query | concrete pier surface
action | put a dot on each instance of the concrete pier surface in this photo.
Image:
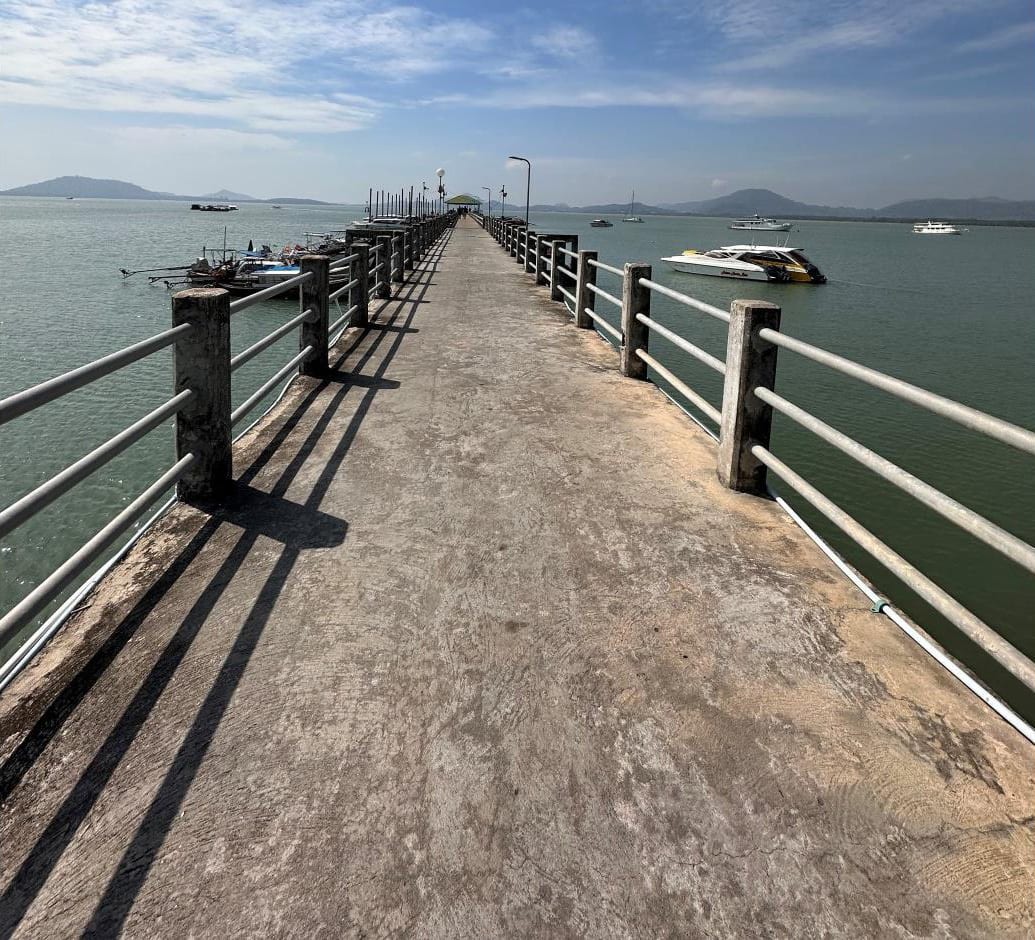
(480, 647)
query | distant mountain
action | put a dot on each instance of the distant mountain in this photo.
(987, 208)
(86, 187)
(763, 202)
(227, 195)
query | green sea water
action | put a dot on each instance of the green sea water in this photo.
(953, 314)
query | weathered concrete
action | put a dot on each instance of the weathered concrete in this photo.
(483, 648)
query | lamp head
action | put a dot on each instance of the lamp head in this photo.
(440, 172)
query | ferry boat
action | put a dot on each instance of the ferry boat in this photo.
(601, 223)
(935, 228)
(750, 263)
(757, 224)
(213, 207)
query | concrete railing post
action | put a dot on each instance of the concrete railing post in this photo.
(398, 248)
(529, 265)
(314, 329)
(746, 419)
(521, 241)
(359, 296)
(408, 249)
(541, 241)
(635, 300)
(584, 297)
(384, 274)
(557, 262)
(201, 363)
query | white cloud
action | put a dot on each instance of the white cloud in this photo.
(1001, 38)
(719, 183)
(565, 42)
(260, 65)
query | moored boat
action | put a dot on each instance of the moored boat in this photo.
(632, 217)
(757, 224)
(600, 223)
(750, 263)
(935, 228)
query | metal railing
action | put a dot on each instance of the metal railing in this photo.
(753, 336)
(200, 338)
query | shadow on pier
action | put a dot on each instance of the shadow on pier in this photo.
(480, 647)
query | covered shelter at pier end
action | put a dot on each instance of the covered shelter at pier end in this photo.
(464, 202)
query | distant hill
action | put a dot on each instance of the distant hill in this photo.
(86, 187)
(763, 202)
(227, 195)
(988, 208)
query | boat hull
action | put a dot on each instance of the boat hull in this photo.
(774, 227)
(733, 271)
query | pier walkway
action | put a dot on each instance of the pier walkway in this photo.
(480, 647)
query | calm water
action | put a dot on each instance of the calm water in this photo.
(951, 314)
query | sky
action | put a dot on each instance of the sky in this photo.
(839, 102)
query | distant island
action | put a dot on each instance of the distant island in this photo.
(86, 187)
(746, 202)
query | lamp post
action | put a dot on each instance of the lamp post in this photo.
(441, 190)
(488, 189)
(528, 183)
(503, 201)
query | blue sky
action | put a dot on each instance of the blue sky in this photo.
(843, 102)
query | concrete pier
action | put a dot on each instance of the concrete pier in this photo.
(480, 646)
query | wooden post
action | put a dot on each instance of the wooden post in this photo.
(557, 260)
(384, 274)
(635, 300)
(314, 330)
(746, 419)
(584, 297)
(359, 296)
(201, 363)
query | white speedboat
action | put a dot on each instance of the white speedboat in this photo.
(750, 263)
(935, 228)
(758, 224)
(600, 223)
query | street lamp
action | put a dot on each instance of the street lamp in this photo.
(441, 189)
(528, 183)
(488, 189)
(503, 202)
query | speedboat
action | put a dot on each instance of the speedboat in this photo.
(601, 223)
(758, 224)
(750, 263)
(935, 228)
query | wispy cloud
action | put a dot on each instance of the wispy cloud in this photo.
(248, 66)
(1000, 39)
(565, 42)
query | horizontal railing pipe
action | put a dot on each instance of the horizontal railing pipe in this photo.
(267, 293)
(689, 348)
(700, 403)
(269, 385)
(600, 292)
(686, 300)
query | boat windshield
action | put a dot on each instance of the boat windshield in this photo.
(716, 253)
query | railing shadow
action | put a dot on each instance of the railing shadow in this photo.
(297, 527)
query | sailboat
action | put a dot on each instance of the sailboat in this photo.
(631, 217)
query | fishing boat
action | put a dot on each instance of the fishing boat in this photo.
(632, 217)
(757, 224)
(600, 223)
(771, 263)
(935, 228)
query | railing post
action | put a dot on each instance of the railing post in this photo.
(384, 258)
(314, 330)
(540, 260)
(408, 248)
(521, 242)
(635, 300)
(557, 262)
(746, 419)
(529, 239)
(201, 363)
(397, 258)
(359, 271)
(584, 297)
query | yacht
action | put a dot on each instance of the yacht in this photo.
(935, 228)
(750, 263)
(631, 217)
(757, 224)
(601, 223)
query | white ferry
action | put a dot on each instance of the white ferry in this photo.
(750, 263)
(758, 224)
(935, 228)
